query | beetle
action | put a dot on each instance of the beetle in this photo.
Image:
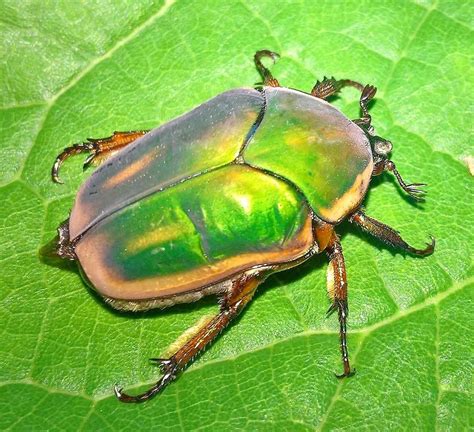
(251, 182)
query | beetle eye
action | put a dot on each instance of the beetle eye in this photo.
(383, 147)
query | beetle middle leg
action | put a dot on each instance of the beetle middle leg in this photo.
(238, 296)
(337, 289)
(388, 235)
(99, 149)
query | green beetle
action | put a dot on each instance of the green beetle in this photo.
(250, 183)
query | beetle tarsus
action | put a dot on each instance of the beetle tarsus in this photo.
(337, 288)
(348, 374)
(268, 79)
(388, 235)
(368, 93)
(143, 397)
(330, 86)
(99, 149)
(66, 154)
(412, 189)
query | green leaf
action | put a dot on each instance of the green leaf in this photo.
(72, 70)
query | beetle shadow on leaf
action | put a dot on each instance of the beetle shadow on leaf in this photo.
(405, 197)
(293, 274)
(47, 255)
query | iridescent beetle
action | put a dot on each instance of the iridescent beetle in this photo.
(250, 183)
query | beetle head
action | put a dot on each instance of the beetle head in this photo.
(381, 148)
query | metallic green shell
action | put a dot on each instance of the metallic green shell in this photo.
(309, 142)
(195, 234)
(209, 136)
(231, 186)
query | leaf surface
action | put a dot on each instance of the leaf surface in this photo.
(72, 70)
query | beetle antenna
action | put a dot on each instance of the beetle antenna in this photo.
(267, 76)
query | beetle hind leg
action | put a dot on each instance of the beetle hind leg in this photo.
(238, 296)
(337, 290)
(99, 149)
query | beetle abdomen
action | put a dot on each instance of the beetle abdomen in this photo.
(209, 136)
(195, 234)
(311, 143)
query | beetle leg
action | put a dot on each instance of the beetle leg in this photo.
(267, 76)
(368, 93)
(325, 88)
(99, 149)
(238, 296)
(388, 235)
(330, 86)
(412, 189)
(337, 289)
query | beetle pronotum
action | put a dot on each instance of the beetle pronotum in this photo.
(250, 183)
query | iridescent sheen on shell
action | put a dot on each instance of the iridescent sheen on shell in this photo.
(233, 185)
(311, 143)
(199, 232)
(209, 136)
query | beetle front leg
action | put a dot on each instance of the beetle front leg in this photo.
(268, 79)
(99, 149)
(330, 86)
(337, 289)
(233, 302)
(388, 235)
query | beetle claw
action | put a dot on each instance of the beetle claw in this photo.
(346, 375)
(152, 391)
(414, 190)
(428, 250)
(118, 391)
(67, 153)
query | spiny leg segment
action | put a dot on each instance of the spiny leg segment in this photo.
(330, 86)
(99, 149)
(388, 235)
(238, 296)
(337, 289)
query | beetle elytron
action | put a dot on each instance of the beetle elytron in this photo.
(250, 183)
